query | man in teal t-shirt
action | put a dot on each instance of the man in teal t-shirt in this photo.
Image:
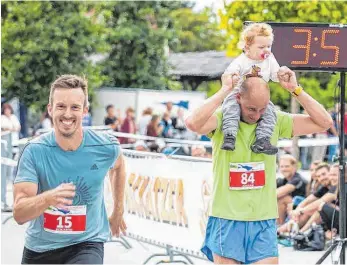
(59, 187)
(242, 222)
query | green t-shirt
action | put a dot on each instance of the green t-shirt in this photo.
(245, 205)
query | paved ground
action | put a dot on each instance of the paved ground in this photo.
(12, 239)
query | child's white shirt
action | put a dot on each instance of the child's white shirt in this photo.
(243, 65)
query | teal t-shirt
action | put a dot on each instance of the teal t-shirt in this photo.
(43, 162)
(245, 205)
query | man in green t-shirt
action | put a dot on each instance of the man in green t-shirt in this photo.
(242, 222)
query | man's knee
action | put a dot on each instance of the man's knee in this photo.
(222, 260)
(285, 200)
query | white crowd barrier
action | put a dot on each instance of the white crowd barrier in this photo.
(167, 199)
(306, 142)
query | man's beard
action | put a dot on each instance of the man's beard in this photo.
(67, 135)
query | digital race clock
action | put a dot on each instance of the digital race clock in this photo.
(310, 46)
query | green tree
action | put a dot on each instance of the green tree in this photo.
(237, 12)
(139, 34)
(196, 31)
(41, 40)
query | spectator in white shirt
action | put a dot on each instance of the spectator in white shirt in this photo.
(9, 122)
(145, 120)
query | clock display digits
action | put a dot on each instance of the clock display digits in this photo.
(336, 48)
(307, 46)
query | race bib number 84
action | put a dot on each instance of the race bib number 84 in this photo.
(245, 176)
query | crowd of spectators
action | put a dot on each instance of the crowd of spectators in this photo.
(169, 124)
(306, 202)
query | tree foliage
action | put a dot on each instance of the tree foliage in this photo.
(196, 31)
(232, 18)
(41, 40)
(139, 34)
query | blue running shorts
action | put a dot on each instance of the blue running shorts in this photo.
(243, 241)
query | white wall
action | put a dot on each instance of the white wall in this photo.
(140, 99)
(121, 99)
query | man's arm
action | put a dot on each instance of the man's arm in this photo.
(115, 124)
(203, 120)
(317, 120)
(28, 205)
(307, 201)
(285, 190)
(118, 179)
(334, 131)
(314, 206)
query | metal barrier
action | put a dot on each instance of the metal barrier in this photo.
(173, 254)
(6, 164)
(171, 251)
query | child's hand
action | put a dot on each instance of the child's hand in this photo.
(230, 80)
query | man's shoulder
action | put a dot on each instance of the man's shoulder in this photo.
(99, 138)
(41, 144)
(281, 114)
(300, 177)
(284, 120)
(46, 139)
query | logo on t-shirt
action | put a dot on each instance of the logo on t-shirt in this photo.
(94, 167)
(255, 72)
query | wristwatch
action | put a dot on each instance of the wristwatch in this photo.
(297, 91)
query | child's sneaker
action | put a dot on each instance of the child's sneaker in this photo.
(229, 143)
(264, 146)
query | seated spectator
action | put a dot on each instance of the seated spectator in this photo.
(145, 120)
(128, 126)
(166, 122)
(156, 146)
(87, 119)
(46, 122)
(111, 118)
(313, 185)
(326, 192)
(154, 128)
(291, 188)
(140, 145)
(321, 210)
(178, 122)
(330, 213)
(200, 151)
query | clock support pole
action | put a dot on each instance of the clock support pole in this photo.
(340, 244)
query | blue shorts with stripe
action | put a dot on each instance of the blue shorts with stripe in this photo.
(243, 241)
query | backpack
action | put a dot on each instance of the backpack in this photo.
(313, 241)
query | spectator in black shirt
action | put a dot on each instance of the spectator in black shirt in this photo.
(326, 193)
(111, 118)
(320, 209)
(292, 186)
(313, 185)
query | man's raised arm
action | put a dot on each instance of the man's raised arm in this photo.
(317, 120)
(202, 120)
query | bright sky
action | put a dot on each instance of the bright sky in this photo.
(215, 4)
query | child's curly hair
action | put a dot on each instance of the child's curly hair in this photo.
(252, 30)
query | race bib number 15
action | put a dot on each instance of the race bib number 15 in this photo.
(72, 221)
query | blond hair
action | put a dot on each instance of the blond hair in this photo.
(70, 82)
(253, 30)
(323, 165)
(292, 160)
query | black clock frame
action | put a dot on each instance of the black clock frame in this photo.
(276, 25)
